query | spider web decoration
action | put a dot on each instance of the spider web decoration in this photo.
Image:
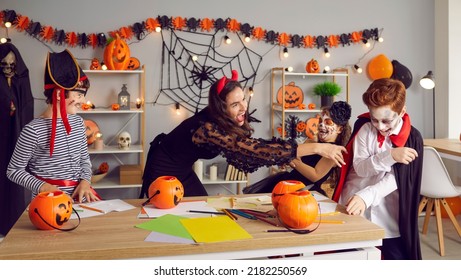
(191, 63)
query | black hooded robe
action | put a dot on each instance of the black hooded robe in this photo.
(12, 196)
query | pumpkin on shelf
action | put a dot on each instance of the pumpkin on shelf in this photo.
(117, 54)
(293, 95)
(302, 106)
(133, 64)
(311, 106)
(115, 107)
(312, 66)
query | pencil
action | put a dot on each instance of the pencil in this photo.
(206, 212)
(91, 208)
(330, 214)
(266, 221)
(230, 215)
(329, 221)
(243, 214)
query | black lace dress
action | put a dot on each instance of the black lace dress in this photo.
(197, 137)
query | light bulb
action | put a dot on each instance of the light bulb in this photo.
(289, 69)
(380, 39)
(3, 40)
(358, 69)
(7, 24)
(194, 58)
(158, 29)
(103, 66)
(178, 112)
(326, 52)
(251, 91)
(326, 69)
(247, 38)
(285, 52)
(227, 40)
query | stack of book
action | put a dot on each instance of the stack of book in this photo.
(234, 174)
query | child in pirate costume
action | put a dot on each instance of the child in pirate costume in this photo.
(382, 176)
(51, 152)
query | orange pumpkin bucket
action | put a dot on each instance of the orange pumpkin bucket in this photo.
(297, 210)
(165, 192)
(283, 187)
(50, 210)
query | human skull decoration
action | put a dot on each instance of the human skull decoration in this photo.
(124, 140)
(8, 65)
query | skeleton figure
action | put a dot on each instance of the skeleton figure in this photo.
(8, 65)
(124, 140)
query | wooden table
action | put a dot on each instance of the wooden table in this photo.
(447, 148)
(114, 236)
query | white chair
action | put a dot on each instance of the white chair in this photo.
(436, 185)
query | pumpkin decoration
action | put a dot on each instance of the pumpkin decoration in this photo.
(312, 127)
(133, 64)
(311, 106)
(95, 65)
(380, 67)
(165, 192)
(284, 187)
(50, 210)
(312, 66)
(302, 106)
(115, 107)
(300, 126)
(92, 129)
(117, 54)
(297, 209)
(293, 95)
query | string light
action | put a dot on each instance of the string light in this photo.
(380, 39)
(227, 40)
(285, 52)
(247, 38)
(250, 90)
(103, 66)
(194, 58)
(7, 38)
(326, 69)
(178, 107)
(158, 29)
(326, 52)
(289, 69)
(358, 69)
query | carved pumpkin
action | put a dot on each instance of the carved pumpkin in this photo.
(115, 107)
(165, 192)
(95, 65)
(297, 209)
(50, 210)
(300, 127)
(311, 106)
(283, 187)
(117, 54)
(302, 106)
(133, 64)
(312, 66)
(293, 95)
(92, 129)
(312, 127)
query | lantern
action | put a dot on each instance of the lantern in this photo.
(165, 192)
(50, 210)
(298, 209)
(283, 187)
(124, 99)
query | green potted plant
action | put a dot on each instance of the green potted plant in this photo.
(327, 91)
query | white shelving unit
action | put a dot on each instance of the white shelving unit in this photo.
(104, 89)
(279, 77)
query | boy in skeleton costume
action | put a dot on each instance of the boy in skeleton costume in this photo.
(51, 152)
(16, 110)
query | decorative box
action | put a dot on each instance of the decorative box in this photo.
(130, 174)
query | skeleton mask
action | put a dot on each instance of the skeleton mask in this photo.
(124, 140)
(8, 65)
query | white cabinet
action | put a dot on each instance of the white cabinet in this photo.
(281, 78)
(105, 85)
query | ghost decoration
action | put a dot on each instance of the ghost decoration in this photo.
(402, 73)
(124, 140)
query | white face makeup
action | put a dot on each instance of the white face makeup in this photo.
(384, 119)
(328, 130)
(74, 101)
(237, 105)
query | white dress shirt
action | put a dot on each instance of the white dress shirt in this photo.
(372, 178)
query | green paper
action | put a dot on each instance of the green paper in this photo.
(168, 224)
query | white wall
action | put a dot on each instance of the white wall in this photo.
(408, 30)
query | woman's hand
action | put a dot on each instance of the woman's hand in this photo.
(84, 190)
(333, 152)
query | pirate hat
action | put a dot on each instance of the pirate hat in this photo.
(63, 71)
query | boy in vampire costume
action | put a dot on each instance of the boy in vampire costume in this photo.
(382, 176)
(16, 110)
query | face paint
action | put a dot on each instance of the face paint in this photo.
(328, 130)
(384, 119)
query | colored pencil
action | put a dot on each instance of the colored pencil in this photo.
(206, 212)
(230, 215)
(266, 221)
(330, 221)
(91, 208)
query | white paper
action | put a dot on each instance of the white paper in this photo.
(182, 209)
(105, 206)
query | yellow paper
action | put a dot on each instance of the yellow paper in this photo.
(214, 229)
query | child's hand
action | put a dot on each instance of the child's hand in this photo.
(356, 206)
(48, 188)
(404, 155)
(84, 190)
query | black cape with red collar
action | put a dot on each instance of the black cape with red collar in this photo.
(408, 179)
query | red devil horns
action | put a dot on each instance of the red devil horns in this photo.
(224, 80)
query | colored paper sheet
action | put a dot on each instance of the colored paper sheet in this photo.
(168, 224)
(215, 229)
(166, 238)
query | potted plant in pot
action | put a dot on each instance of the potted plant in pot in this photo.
(327, 91)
